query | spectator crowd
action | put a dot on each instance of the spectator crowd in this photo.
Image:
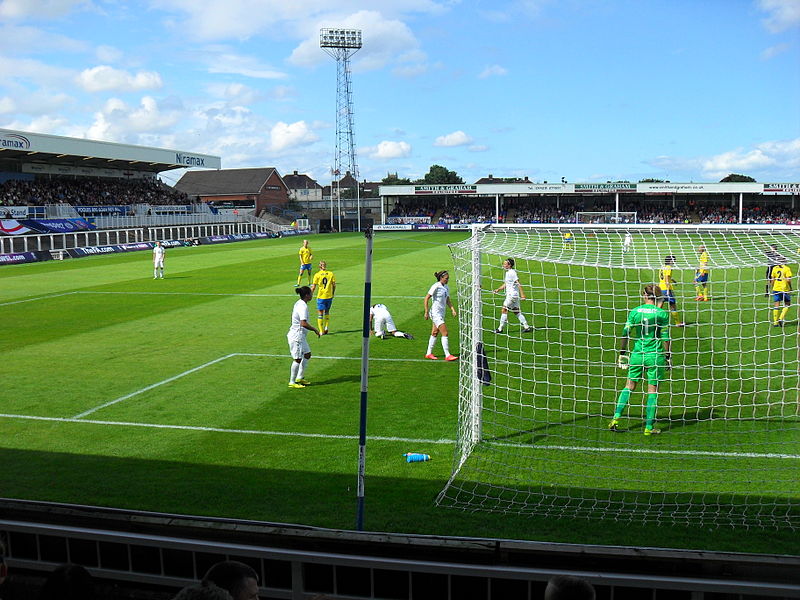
(88, 192)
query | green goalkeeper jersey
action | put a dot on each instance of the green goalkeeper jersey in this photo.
(649, 326)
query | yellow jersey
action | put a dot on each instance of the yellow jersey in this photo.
(326, 283)
(665, 278)
(704, 258)
(781, 276)
(305, 255)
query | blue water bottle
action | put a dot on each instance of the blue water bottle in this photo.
(416, 457)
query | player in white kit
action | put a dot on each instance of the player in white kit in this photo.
(438, 298)
(514, 294)
(158, 261)
(627, 243)
(382, 323)
(298, 345)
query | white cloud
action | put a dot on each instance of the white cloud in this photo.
(33, 70)
(385, 41)
(119, 122)
(104, 78)
(783, 14)
(772, 159)
(234, 93)
(108, 54)
(19, 39)
(387, 150)
(774, 51)
(457, 138)
(492, 71)
(235, 64)
(7, 105)
(39, 9)
(284, 136)
(478, 148)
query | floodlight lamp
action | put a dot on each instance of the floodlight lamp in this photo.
(340, 38)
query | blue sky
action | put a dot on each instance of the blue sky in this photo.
(590, 90)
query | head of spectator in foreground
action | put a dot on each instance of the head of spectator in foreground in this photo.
(68, 582)
(203, 592)
(237, 578)
(567, 587)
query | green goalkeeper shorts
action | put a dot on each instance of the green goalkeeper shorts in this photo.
(654, 365)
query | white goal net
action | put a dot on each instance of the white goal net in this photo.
(536, 406)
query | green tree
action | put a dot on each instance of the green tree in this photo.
(439, 174)
(736, 178)
(651, 180)
(393, 179)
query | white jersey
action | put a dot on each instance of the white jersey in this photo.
(381, 319)
(299, 314)
(628, 240)
(158, 255)
(511, 280)
(439, 294)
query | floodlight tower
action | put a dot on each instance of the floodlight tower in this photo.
(341, 44)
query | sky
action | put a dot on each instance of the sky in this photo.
(587, 90)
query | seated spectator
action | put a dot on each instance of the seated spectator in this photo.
(567, 587)
(237, 578)
(68, 582)
(203, 592)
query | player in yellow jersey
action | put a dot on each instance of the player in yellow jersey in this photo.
(701, 275)
(667, 285)
(568, 240)
(780, 279)
(325, 286)
(305, 262)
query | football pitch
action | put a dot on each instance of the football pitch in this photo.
(171, 395)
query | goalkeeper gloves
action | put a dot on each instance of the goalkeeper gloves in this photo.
(669, 361)
(623, 361)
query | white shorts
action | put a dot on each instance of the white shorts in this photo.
(298, 347)
(511, 302)
(380, 323)
(158, 263)
(437, 318)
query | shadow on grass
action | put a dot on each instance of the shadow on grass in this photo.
(328, 499)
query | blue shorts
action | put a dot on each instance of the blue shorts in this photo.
(324, 304)
(305, 267)
(784, 297)
(698, 278)
(669, 297)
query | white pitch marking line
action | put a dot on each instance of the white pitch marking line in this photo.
(38, 298)
(216, 360)
(139, 293)
(150, 387)
(381, 438)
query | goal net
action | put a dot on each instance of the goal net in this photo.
(535, 407)
(601, 218)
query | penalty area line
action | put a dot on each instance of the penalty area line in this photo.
(38, 298)
(296, 434)
(653, 451)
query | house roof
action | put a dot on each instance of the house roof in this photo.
(225, 181)
(300, 181)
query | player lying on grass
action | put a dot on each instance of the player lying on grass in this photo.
(381, 323)
(648, 325)
(298, 345)
(514, 294)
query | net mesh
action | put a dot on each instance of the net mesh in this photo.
(534, 407)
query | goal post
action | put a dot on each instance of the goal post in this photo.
(536, 440)
(600, 218)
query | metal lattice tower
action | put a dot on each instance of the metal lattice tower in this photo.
(341, 44)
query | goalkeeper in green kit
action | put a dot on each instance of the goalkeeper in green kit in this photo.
(648, 325)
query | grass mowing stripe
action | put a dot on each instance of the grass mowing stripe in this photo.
(133, 293)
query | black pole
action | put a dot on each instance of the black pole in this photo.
(362, 434)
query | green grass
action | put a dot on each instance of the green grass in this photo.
(196, 417)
